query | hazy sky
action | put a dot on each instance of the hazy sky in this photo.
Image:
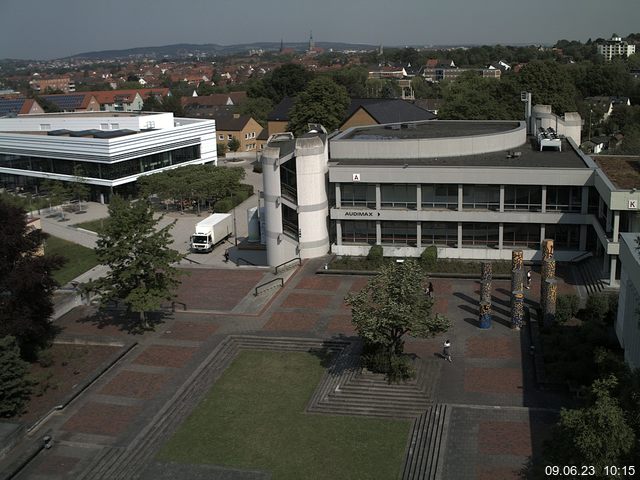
(38, 29)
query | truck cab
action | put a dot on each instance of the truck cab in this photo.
(202, 243)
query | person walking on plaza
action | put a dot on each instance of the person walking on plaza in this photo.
(528, 279)
(446, 350)
(430, 290)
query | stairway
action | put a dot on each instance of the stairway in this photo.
(428, 439)
(591, 275)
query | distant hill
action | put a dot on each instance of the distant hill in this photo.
(188, 49)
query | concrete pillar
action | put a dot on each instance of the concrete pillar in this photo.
(339, 232)
(584, 206)
(616, 225)
(544, 199)
(459, 235)
(418, 234)
(583, 238)
(501, 203)
(418, 197)
(612, 270)
(460, 196)
(378, 197)
(378, 233)
(609, 218)
(542, 232)
(338, 195)
(605, 264)
(500, 235)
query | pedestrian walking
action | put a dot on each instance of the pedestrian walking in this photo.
(528, 279)
(226, 256)
(430, 290)
(446, 350)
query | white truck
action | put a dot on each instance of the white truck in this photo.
(211, 231)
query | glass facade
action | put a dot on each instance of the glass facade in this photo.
(288, 180)
(523, 197)
(399, 196)
(566, 237)
(521, 235)
(399, 233)
(290, 221)
(355, 195)
(481, 197)
(564, 199)
(105, 171)
(443, 234)
(480, 234)
(440, 196)
(361, 233)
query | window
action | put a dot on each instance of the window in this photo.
(359, 232)
(565, 237)
(220, 137)
(289, 180)
(440, 196)
(399, 233)
(564, 199)
(523, 197)
(398, 196)
(115, 126)
(521, 235)
(480, 234)
(439, 233)
(104, 126)
(229, 137)
(290, 222)
(481, 197)
(358, 195)
(45, 126)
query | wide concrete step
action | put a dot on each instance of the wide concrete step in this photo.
(428, 439)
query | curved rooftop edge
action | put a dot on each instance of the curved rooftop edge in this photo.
(429, 139)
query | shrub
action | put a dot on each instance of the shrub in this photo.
(257, 167)
(429, 257)
(566, 307)
(45, 359)
(375, 255)
(597, 308)
(15, 386)
(222, 149)
(223, 206)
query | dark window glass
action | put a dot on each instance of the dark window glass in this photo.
(481, 197)
(360, 232)
(566, 237)
(355, 195)
(480, 234)
(399, 233)
(564, 199)
(521, 235)
(398, 196)
(523, 197)
(439, 233)
(440, 196)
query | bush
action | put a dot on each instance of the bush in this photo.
(45, 359)
(223, 206)
(429, 257)
(597, 308)
(566, 307)
(15, 386)
(257, 167)
(396, 368)
(376, 255)
(222, 149)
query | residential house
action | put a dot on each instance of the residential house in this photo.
(242, 127)
(65, 84)
(606, 105)
(11, 107)
(74, 102)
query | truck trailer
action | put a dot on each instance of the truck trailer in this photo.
(211, 231)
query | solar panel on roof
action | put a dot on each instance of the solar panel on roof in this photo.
(65, 102)
(11, 106)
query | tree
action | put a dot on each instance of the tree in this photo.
(257, 108)
(393, 304)
(285, 81)
(140, 261)
(15, 386)
(354, 79)
(323, 101)
(233, 144)
(550, 84)
(26, 282)
(578, 438)
(79, 188)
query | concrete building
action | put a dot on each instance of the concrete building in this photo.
(64, 84)
(615, 47)
(628, 321)
(475, 189)
(112, 149)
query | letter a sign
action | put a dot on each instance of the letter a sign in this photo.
(356, 177)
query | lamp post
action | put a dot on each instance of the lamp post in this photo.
(235, 230)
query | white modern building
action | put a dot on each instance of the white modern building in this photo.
(112, 149)
(474, 189)
(615, 47)
(628, 321)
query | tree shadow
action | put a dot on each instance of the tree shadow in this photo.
(124, 320)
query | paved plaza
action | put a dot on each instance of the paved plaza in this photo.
(495, 417)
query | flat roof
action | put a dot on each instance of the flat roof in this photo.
(88, 114)
(530, 157)
(623, 171)
(429, 129)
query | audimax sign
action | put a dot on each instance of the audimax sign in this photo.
(360, 213)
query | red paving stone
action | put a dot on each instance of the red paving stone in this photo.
(320, 282)
(441, 305)
(305, 300)
(504, 438)
(341, 324)
(292, 321)
(165, 356)
(186, 330)
(359, 283)
(424, 348)
(493, 380)
(502, 347)
(56, 465)
(441, 286)
(135, 384)
(81, 321)
(212, 289)
(497, 473)
(101, 419)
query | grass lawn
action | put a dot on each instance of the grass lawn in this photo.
(254, 418)
(79, 258)
(92, 225)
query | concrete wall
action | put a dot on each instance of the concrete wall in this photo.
(359, 118)
(627, 323)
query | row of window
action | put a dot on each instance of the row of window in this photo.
(105, 171)
(446, 234)
(474, 197)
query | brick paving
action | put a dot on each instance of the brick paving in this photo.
(488, 387)
(55, 465)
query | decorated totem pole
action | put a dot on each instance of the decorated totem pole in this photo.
(548, 283)
(518, 276)
(485, 295)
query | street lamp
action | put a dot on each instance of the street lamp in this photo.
(235, 230)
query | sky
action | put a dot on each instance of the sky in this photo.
(40, 30)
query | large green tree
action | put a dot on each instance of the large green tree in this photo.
(15, 386)
(285, 81)
(142, 271)
(26, 282)
(550, 84)
(323, 101)
(392, 305)
(257, 108)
